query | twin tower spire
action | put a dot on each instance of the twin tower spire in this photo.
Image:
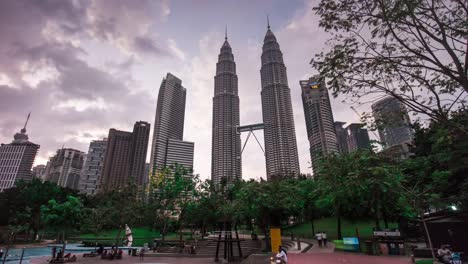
(279, 131)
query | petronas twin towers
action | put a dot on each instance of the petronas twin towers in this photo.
(279, 131)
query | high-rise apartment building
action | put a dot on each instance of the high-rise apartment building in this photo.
(341, 137)
(319, 119)
(393, 122)
(65, 167)
(93, 166)
(38, 171)
(279, 131)
(358, 137)
(16, 159)
(226, 146)
(124, 161)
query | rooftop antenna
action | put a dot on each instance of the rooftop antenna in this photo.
(26, 123)
(268, 21)
(225, 33)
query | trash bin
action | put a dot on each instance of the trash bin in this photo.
(393, 249)
(134, 252)
(369, 247)
(402, 250)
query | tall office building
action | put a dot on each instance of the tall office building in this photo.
(358, 137)
(393, 122)
(124, 161)
(16, 159)
(65, 168)
(93, 166)
(38, 172)
(341, 137)
(169, 121)
(319, 119)
(226, 146)
(279, 131)
(179, 152)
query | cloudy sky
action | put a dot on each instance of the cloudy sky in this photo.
(82, 67)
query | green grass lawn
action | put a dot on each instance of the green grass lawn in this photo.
(112, 234)
(328, 225)
(141, 235)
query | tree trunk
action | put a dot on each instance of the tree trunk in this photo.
(385, 218)
(313, 227)
(338, 224)
(164, 231)
(377, 222)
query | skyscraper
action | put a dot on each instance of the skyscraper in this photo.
(279, 131)
(392, 122)
(341, 137)
(226, 145)
(319, 119)
(125, 157)
(169, 123)
(92, 170)
(358, 137)
(65, 168)
(16, 159)
(140, 138)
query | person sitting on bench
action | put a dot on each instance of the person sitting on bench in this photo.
(444, 254)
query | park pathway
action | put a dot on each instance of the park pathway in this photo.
(343, 258)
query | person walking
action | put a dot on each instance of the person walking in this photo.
(324, 239)
(142, 254)
(318, 236)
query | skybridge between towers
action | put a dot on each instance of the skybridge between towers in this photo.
(251, 129)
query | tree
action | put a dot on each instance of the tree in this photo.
(438, 168)
(412, 50)
(361, 184)
(23, 203)
(334, 190)
(171, 191)
(62, 217)
(309, 194)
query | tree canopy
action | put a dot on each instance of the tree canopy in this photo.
(412, 50)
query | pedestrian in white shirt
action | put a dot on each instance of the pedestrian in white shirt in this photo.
(319, 238)
(282, 256)
(324, 238)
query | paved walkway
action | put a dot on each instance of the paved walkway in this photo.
(343, 258)
(132, 260)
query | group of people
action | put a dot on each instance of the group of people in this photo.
(321, 239)
(114, 253)
(446, 256)
(59, 257)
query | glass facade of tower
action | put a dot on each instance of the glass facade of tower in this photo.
(226, 145)
(279, 132)
(319, 119)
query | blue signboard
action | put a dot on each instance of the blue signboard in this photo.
(350, 241)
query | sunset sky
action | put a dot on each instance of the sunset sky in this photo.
(82, 67)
